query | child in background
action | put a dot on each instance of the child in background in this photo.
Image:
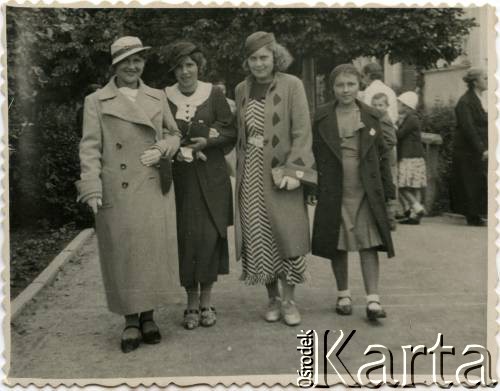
(380, 101)
(412, 178)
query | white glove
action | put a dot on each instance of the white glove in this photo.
(290, 183)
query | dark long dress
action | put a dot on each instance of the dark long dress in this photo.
(469, 191)
(203, 195)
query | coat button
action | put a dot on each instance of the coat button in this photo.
(373, 175)
(123, 166)
(118, 146)
(125, 185)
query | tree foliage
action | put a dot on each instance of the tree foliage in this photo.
(55, 53)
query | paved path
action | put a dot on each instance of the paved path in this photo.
(437, 283)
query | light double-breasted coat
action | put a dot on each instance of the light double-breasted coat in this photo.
(136, 225)
(287, 146)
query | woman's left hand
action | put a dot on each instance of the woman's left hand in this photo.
(150, 157)
(213, 133)
(290, 183)
(198, 143)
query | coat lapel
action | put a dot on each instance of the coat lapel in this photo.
(367, 137)
(118, 105)
(148, 103)
(329, 131)
(476, 103)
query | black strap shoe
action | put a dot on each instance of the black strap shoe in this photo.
(130, 344)
(151, 334)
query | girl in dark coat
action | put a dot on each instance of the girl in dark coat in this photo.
(202, 185)
(354, 183)
(412, 173)
(469, 192)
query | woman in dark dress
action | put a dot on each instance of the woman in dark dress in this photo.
(469, 193)
(354, 184)
(202, 184)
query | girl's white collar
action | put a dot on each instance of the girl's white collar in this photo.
(187, 105)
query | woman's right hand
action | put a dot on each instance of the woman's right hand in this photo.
(95, 203)
(169, 145)
(485, 156)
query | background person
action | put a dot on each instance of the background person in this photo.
(127, 127)
(203, 189)
(412, 175)
(354, 184)
(372, 76)
(380, 102)
(469, 188)
(274, 158)
(221, 83)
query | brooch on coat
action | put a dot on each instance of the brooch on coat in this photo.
(372, 132)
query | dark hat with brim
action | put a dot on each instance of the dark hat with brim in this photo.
(179, 51)
(256, 41)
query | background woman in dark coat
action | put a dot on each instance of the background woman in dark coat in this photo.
(354, 183)
(469, 192)
(202, 184)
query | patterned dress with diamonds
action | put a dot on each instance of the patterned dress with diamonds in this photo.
(260, 256)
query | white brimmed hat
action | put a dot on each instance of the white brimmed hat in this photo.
(409, 98)
(124, 47)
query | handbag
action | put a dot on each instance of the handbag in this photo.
(165, 174)
(197, 129)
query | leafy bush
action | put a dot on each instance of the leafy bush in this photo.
(441, 120)
(48, 166)
(59, 165)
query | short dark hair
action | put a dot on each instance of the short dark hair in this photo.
(344, 68)
(374, 71)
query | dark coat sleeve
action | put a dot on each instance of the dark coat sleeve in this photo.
(312, 190)
(466, 125)
(410, 126)
(385, 168)
(224, 123)
(388, 130)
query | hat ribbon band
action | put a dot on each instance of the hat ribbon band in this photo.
(125, 49)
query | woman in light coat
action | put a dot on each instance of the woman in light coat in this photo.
(274, 161)
(127, 127)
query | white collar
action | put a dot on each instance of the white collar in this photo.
(186, 105)
(130, 93)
